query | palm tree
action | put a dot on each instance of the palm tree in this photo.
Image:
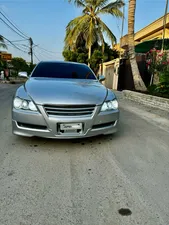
(89, 25)
(2, 43)
(138, 82)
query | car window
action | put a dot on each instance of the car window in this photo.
(63, 70)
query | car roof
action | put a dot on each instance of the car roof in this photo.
(62, 62)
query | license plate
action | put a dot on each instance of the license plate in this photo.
(71, 126)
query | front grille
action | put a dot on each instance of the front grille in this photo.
(69, 110)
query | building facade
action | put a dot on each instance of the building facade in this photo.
(153, 31)
(5, 56)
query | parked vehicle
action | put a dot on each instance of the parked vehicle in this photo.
(64, 100)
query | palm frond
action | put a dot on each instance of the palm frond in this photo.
(75, 28)
(1, 38)
(2, 42)
(78, 3)
(107, 31)
(89, 26)
(74, 22)
(101, 3)
(3, 45)
(112, 8)
(91, 35)
(101, 38)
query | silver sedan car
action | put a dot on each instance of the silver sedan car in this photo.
(64, 100)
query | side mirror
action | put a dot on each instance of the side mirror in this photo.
(23, 74)
(101, 78)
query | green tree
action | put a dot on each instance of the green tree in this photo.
(2, 45)
(19, 64)
(2, 42)
(3, 64)
(98, 57)
(80, 55)
(89, 26)
(70, 55)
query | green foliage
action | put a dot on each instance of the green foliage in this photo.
(163, 89)
(70, 55)
(3, 64)
(16, 65)
(97, 57)
(158, 62)
(19, 64)
(109, 53)
(81, 57)
(2, 42)
(151, 89)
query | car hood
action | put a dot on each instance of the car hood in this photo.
(65, 91)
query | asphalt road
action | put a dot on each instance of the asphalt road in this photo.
(85, 182)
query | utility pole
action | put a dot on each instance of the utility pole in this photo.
(164, 24)
(31, 49)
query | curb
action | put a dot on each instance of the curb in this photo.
(148, 100)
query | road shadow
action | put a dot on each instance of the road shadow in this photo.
(123, 129)
(34, 141)
(39, 142)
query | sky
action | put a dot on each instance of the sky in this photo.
(45, 21)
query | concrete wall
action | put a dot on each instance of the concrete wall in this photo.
(110, 71)
(149, 100)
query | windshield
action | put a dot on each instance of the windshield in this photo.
(63, 70)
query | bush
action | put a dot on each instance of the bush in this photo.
(158, 62)
(161, 90)
(151, 89)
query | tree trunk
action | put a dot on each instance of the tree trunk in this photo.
(138, 82)
(89, 54)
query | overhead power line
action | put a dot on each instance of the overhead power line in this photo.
(36, 57)
(27, 48)
(15, 46)
(4, 14)
(48, 50)
(45, 55)
(19, 40)
(13, 24)
(24, 48)
(11, 28)
(14, 28)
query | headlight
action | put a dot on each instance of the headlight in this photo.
(32, 106)
(110, 105)
(19, 103)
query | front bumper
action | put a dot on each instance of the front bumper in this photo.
(29, 124)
